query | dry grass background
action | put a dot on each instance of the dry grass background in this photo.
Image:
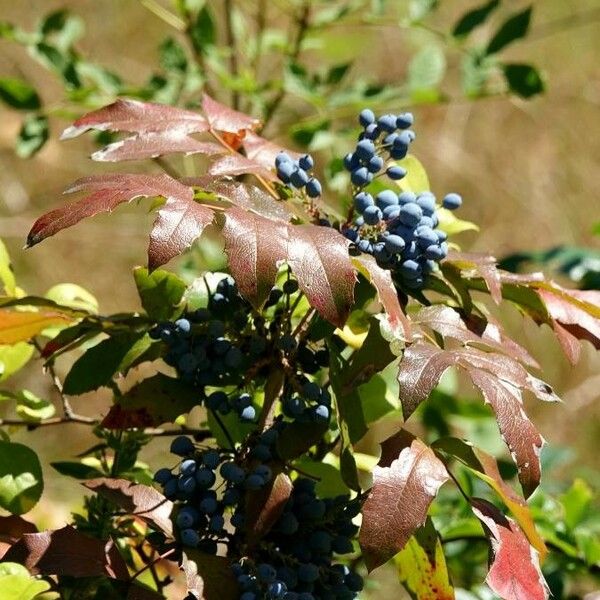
(529, 172)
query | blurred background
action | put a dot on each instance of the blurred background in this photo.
(525, 155)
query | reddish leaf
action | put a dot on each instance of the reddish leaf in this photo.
(245, 195)
(515, 572)
(318, 257)
(421, 368)
(265, 506)
(255, 249)
(153, 144)
(158, 399)
(66, 551)
(386, 292)
(485, 468)
(480, 265)
(519, 433)
(236, 164)
(568, 342)
(209, 576)
(178, 224)
(263, 151)
(107, 192)
(223, 118)
(138, 117)
(11, 529)
(140, 501)
(398, 501)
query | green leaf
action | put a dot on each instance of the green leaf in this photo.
(160, 292)
(330, 482)
(7, 277)
(419, 9)
(77, 470)
(17, 584)
(576, 502)
(59, 61)
(18, 94)
(172, 56)
(473, 18)
(476, 70)
(21, 482)
(514, 28)
(13, 358)
(32, 136)
(73, 295)
(451, 224)
(337, 73)
(426, 70)
(379, 396)
(30, 407)
(203, 31)
(523, 80)
(416, 179)
(100, 363)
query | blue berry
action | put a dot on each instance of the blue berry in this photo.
(190, 538)
(266, 573)
(306, 162)
(182, 446)
(187, 485)
(254, 482)
(394, 243)
(208, 505)
(282, 157)
(248, 413)
(187, 517)
(322, 413)
(410, 269)
(371, 132)
(365, 149)
(387, 123)
(188, 467)
(372, 215)
(452, 201)
(313, 188)
(285, 171)
(395, 172)
(265, 472)
(216, 523)
(183, 326)
(361, 176)
(410, 214)
(231, 497)
(362, 200)
(386, 198)
(308, 572)
(366, 117)
(162, 476)
(299, 178)
(205, 478)
(351, 162)
(375, 164)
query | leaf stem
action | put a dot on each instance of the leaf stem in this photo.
(162, 13)
(153, 562)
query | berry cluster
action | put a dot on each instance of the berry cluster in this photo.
(296, 560)
(310, 403)
(297, 173)
(398, 228)
(388, 137)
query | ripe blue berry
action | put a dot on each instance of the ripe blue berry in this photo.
(386, 198)
(313, 188)
(205, 478)
(299, 178)
(365, 149)
(452, 201)
(394, 243)
(395, 172)
(182, 446)
(387, 123)
(306, 162)
(366, 117)
(190, 538)
(162, 476)
(362, 200)
(410, 214)
(372, 215)
(361, 176)
(248, 413)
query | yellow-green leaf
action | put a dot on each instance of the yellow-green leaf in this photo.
(416, 179)
(13, 358)
(7, 276)
(18, 326)
(453, 225)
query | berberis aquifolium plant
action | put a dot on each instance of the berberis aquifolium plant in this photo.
(273, 373)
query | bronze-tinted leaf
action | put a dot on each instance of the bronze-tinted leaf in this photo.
(263, 151)
(209, 576)
(178, 224)
(398, 502)
(318, 257)
(223, 118)
(153, 144)
(255, 249)
(515, 572)
(519, 433)
(158, 399)
(480, 265)
(236, 164)
(421, 368)
(12, 529)
(138, 500)
(386, 292)
(138, 117)
(69, 552)
(265, 506)
(485, 468)
(107, 192)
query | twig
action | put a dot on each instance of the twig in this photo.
(233, 53)
(307, 315)
(67, 409)
(224, 429)
(303, 25)
(150, 564)
(162, 13)
(261, 21)
(77, 419)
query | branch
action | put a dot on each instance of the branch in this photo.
(303, 24)
(233, 53)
